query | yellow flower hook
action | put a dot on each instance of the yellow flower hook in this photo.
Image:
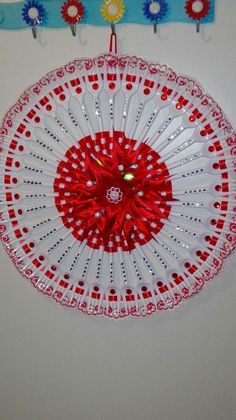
(112, 11)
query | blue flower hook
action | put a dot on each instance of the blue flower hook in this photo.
(33, 13)
(155, 10)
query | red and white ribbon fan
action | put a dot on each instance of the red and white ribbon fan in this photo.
(117, 186)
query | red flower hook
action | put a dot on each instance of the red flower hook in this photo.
(197, 10)
(72, 12)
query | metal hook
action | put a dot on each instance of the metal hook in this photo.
(113, 29)
(73, 28)
(36, 23)
(35, 31)
(198, 26)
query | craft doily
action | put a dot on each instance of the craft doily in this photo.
(117, 186)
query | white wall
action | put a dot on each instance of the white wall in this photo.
(56, 364)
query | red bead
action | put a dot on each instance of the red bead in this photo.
(178, 106)
(129, 86)
(146, 91)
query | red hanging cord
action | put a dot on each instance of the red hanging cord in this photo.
(113, 40)
(113, 43)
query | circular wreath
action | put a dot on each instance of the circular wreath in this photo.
(117, 186)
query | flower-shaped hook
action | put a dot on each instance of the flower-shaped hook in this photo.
(112, 11)
(197, 10)
(155, 10)
(72, 11)
(33, 13)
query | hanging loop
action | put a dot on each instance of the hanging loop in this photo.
(113, 43)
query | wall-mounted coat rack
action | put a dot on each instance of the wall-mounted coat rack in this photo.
(59, 13)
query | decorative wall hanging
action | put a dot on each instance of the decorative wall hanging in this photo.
(117, 186)
(11, 13)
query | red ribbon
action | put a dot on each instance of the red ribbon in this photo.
(127, 218)
(113, 40)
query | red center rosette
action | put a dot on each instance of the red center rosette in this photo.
(110, 197)
(72, 11)
(197, 9)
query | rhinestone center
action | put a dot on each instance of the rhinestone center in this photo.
(114, 195)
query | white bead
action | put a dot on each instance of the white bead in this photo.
(128, 216)
(121, 167)
(33, 13)
(97, 214)
(72, 11)
(89, 183)
(197, 6)
(140, 193)
(154, 7)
